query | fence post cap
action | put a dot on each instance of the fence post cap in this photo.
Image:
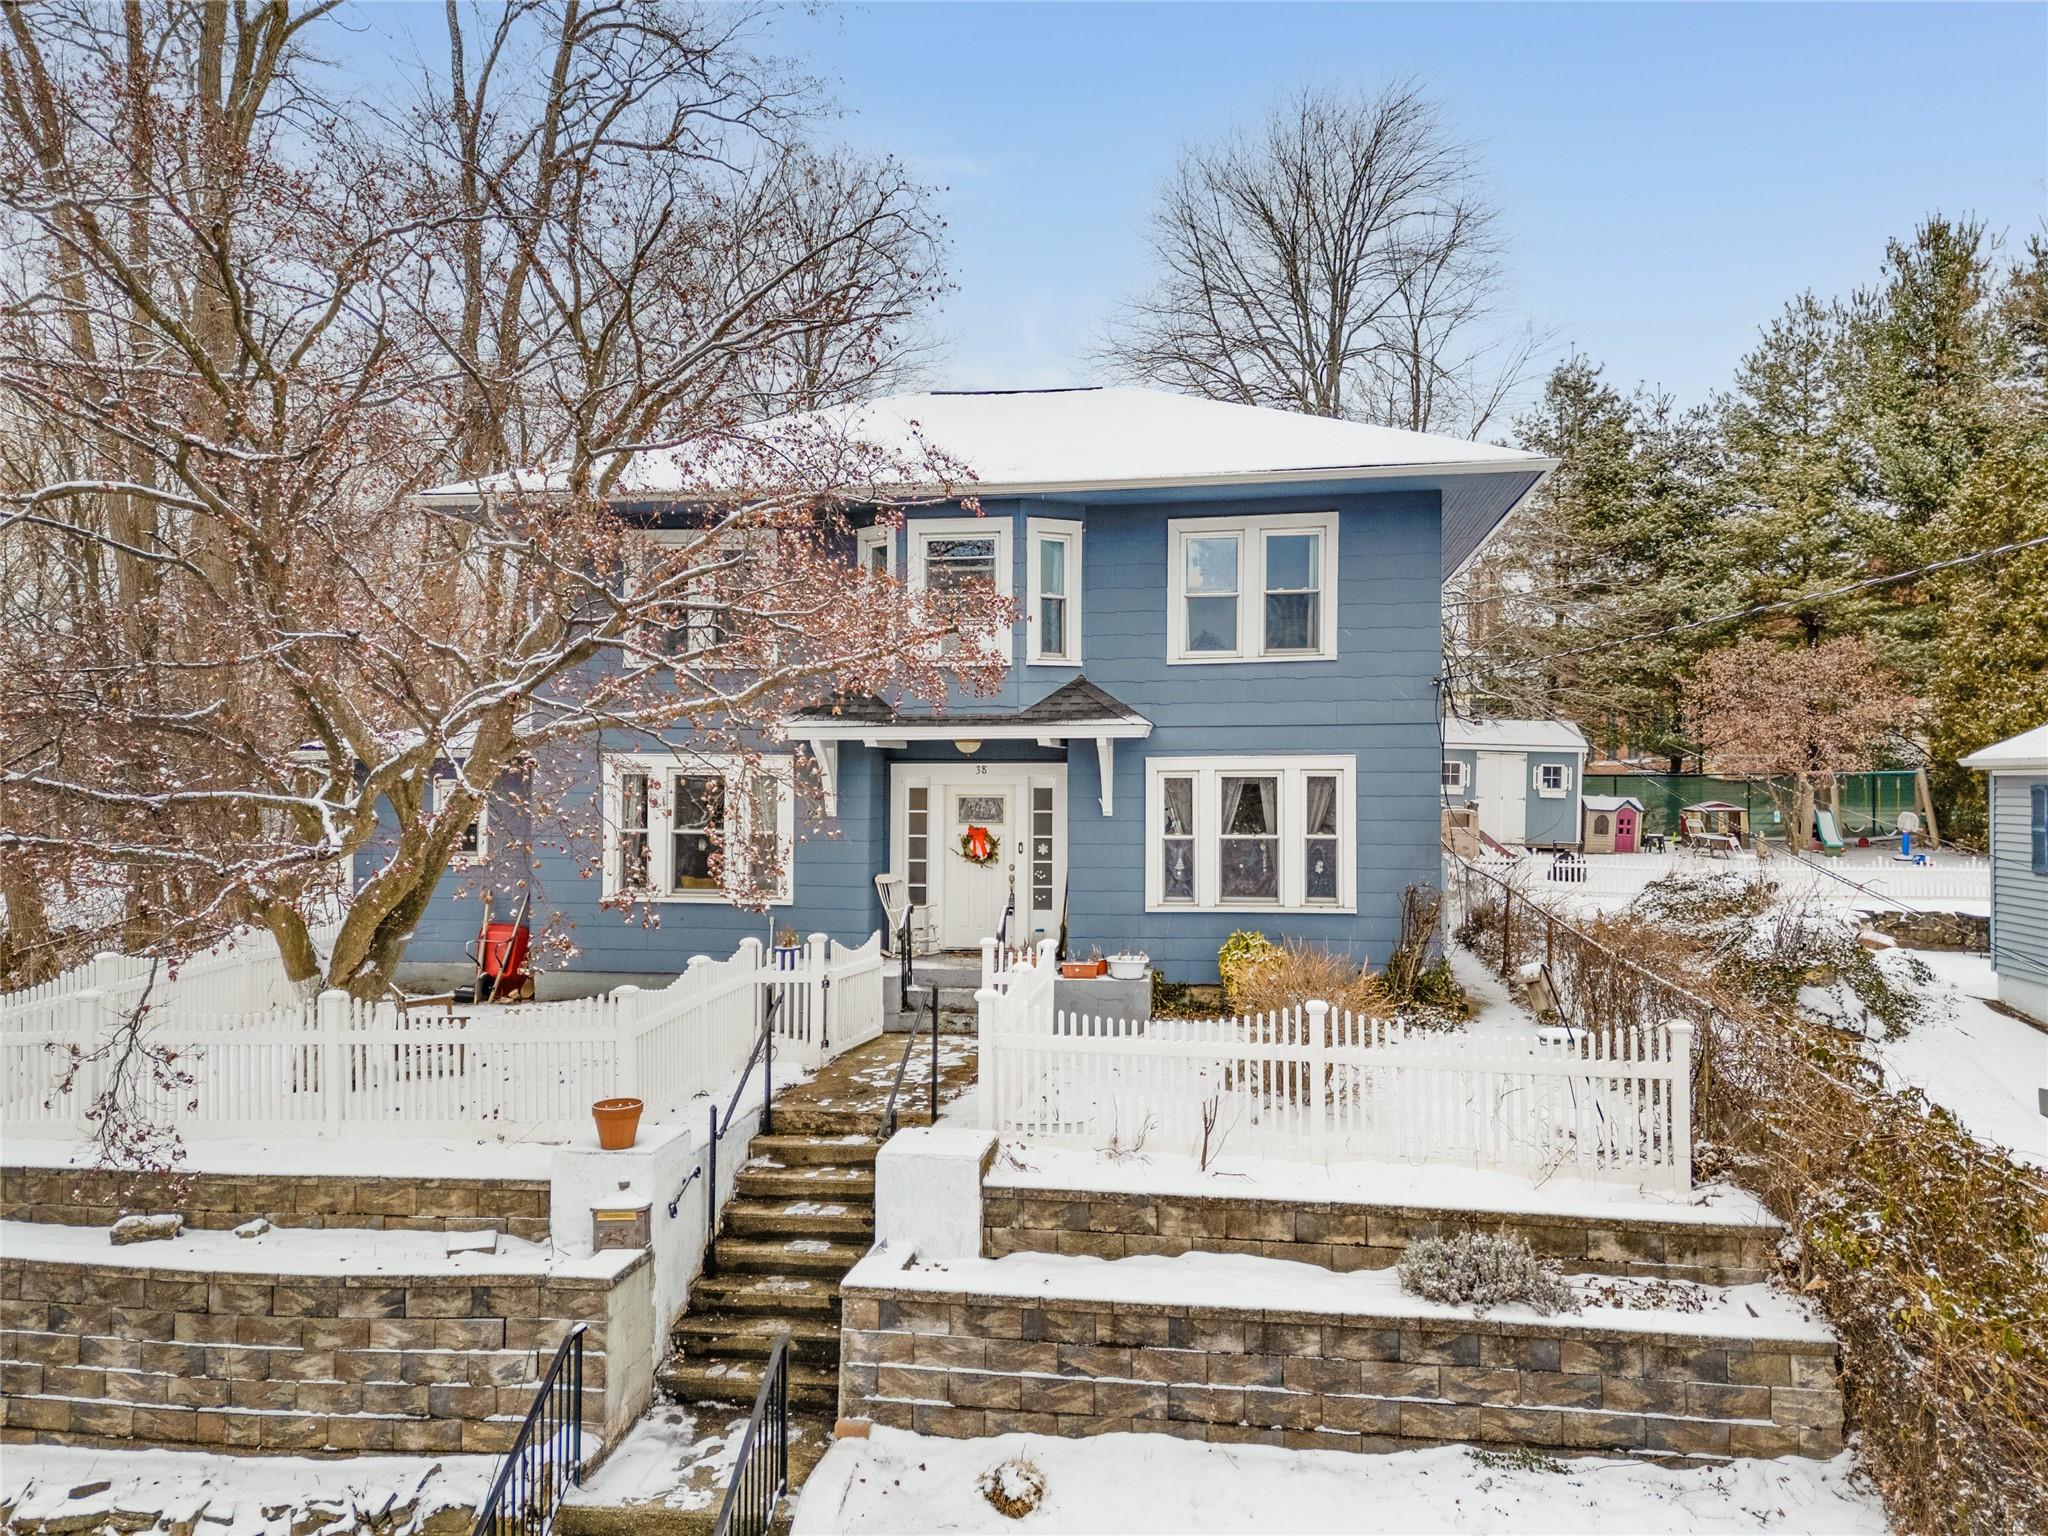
(696, 960)
(1679, 1026)
(987, 995)
(625, 986)
(1316, 1006)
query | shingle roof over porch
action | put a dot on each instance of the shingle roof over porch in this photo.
(1076, 710)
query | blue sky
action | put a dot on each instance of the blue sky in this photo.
(1670, 174)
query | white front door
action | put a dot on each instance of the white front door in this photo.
(974, 894)
(1503, 803)
(1021, 806)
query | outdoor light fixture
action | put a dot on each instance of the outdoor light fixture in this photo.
(968, 748)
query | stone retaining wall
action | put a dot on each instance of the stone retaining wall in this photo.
(93, 1197)
(962, 1365)
(1345, 1236)
(112, 1354)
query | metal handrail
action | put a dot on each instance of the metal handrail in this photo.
(760, 1474)
(527, 1492)
(909, 1044)
(763, 1043)
(907, 979)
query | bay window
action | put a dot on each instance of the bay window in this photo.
(1244, 833)
(1252, 588)
(695, 828)
(1053, 615)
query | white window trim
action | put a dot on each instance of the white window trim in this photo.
(1458, 786)
(443, 786)
(1564, 783)
(661, 846)
(1251, 586)
(1054, 530)
(881, 536)
(923, 530)
(1292, 772)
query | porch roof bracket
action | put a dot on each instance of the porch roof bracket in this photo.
(1105, 765)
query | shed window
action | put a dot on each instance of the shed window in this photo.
(1552, 779)
(2037, 825)
(1454, 775)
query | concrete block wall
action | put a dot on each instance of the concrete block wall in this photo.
(119, 1353)
(962, 1365)
(1344, 1236)
(93, 1197)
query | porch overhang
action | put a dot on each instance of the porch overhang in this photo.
(1075, 711)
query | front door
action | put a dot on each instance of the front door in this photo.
(979, 816)
(1503, 801)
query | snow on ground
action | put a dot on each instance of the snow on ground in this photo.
(1226, 1279)
(302, 1251)
(1040, 1165)
(1984, 1066)
(239, 1495)
(903, 1483)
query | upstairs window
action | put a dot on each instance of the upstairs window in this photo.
(1054, 612)
(698, 829)
(876, 548)
(958, 555)
(1252, 589)
(473, 843)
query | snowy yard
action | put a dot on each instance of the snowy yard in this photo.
(1984, 1066)
(83, 1489)
(903, 1483)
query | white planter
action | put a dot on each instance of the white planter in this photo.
(1129, 967)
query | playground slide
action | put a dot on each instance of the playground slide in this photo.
(1824, 828)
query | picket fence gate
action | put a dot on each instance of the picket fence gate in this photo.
(1319, 1085)
(339, 1065)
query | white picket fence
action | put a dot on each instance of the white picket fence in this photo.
(340, 1066)
(1316, 1085)
(1859, 879)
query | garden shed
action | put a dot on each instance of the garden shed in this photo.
(2018, 768)
(1610, 823)
(1523, 776)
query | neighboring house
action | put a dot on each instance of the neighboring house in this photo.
(2018, 769)
(1220, 711)
(1523, 775)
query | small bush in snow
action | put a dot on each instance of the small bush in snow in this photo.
(1484, 1270)
(1014, 1487)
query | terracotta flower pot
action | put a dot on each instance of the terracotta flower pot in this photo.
(618, 1122)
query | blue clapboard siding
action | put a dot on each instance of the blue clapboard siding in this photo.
(1375, 701)
(2019, 896)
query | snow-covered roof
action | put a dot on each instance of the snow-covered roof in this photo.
(1609, 802)
(1514, 735)
(1095, 440)
(2028, 750)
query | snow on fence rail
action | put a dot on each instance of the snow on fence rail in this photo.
(340, 1065)
(1317, 1085)
(1866, 881)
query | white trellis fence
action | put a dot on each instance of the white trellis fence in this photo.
(1317, 1085)
(339, 1066)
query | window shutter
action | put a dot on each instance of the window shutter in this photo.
(2038, 825)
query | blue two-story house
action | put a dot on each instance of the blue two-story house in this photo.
(1220, 710)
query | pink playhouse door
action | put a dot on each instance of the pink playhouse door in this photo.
(1625, 830)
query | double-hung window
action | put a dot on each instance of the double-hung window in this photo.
(1244, 833)
(686, 827)
(1252, 588)
(473, 843)
(1054, 613)
(962, 556)
(876, 547)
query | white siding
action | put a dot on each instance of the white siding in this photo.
(2019, 897)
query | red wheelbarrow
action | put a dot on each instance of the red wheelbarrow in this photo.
(501, 959)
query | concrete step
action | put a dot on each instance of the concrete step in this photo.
(778, 1296)
(794, 1151)
(826, 1182)
(686, 1500)
(843, 1221)
(736, 1382)
(787, 1257)
(750, 1336)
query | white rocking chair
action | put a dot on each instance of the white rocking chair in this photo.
(894, 891)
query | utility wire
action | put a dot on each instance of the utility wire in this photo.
(1795, 602)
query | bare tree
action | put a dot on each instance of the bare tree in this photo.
(1340, 260)
(238, 645)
